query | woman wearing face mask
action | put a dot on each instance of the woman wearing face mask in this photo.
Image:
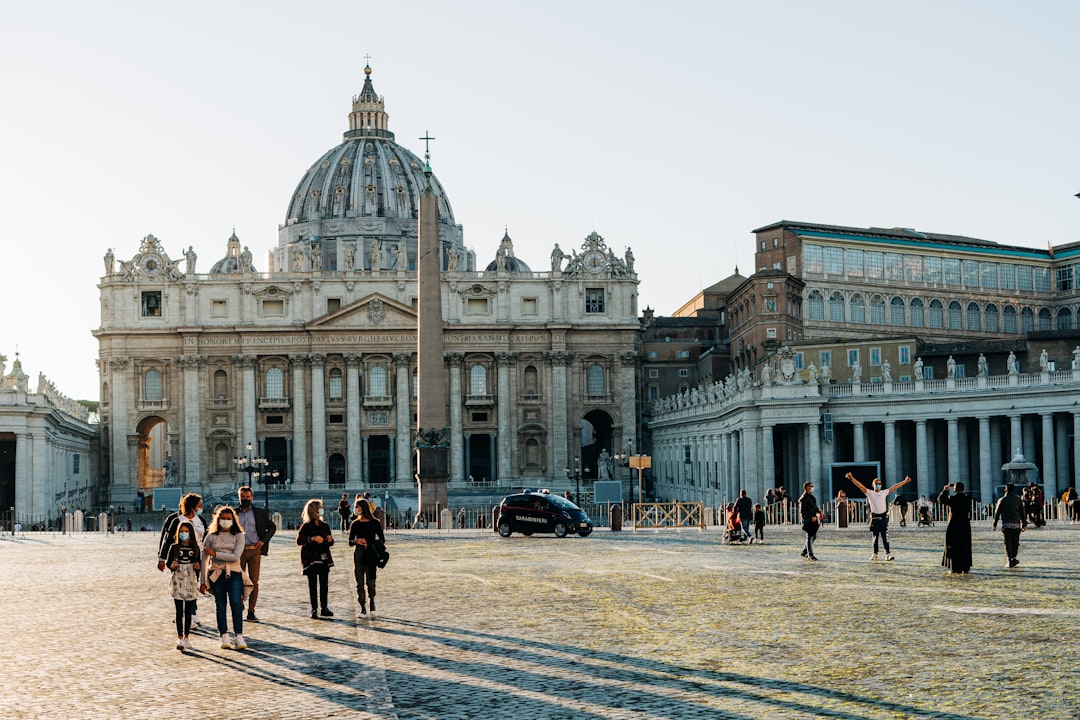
(222, 547)
(314, 538)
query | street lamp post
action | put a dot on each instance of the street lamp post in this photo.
(575, 475)
(270, 477)
(251, 465)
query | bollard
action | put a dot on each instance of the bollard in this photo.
(616, 518)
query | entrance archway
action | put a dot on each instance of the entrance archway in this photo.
(152, 451)
(597, 427)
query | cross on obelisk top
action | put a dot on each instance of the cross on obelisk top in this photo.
(367, 59)
(427, 151)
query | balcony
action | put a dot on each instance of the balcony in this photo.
(378, 401)
(273, 403)
(153, 405)
(479, 400)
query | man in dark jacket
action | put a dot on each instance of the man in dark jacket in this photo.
(1011, 512)
(258, 529)
(811, 519)
(745, 507)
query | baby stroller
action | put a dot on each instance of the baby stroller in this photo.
(924, 517)
(733, 534)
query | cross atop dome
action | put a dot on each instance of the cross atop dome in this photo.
(368, 117)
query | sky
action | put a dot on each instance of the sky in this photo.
(673, 128)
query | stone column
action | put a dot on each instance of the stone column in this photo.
(506, 432)
(751, 468)
(353, 404)
(23, 466)
(249, 400)
(365, 476)
(560, 409)
(1061, 452)
(859, 436)
(736, 462)
(768, 470)
(986, 474)
(193, 475)
(813, 436)
(1049, 463)
(457, 451)
(123, 484)
(299, 413)
(402, 450)
(922, 472)
(890, 454)
(627, 398)
(1016, 436)
(318, 420)
(954, 451)
(1076, 441)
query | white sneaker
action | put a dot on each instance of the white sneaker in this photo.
(195, 622)
(874, 556)
(889, 556)
(239, 643)
(187, 644)
(180, 644)
(227, 642)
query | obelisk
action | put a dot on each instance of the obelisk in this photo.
(432, 431)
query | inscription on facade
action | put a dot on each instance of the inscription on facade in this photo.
(351, 339)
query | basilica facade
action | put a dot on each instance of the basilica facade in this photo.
(310, 362)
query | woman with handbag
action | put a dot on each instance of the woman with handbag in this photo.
(314, 538)
(369, 543)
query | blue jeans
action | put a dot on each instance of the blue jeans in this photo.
(879, 526)
(229, 590)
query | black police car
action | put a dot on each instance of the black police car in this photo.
(530, 512)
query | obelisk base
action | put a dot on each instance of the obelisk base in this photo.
(433, 473)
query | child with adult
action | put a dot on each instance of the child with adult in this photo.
(184, 560)
(878, 500)
(759, 524)
(315, 538)
(367, 540)
(222, 575)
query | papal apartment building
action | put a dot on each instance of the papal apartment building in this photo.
(931, 355)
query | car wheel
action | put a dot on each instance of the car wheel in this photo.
(504, 529)
(560, 530)
(585, 533)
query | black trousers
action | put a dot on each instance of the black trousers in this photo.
(1012, 541)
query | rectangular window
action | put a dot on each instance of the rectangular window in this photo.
(894, 266)
(834, 261)
(813, 259)
(654, 392)
(151, 303)
(654, 373)
(1042, 279)
(988, 274)
(934, 273)
(75, 460)
(875, 264)
(530, 306)
(652, 354)
(1065, 278)
(905, 354)
(1023, 277)
(333, 305)
(853, 262)
(476, 306)
(594, 300)
(682, 353)
(335, 387)
(770, 333)
(952, 271)
(852, 357)
(960, 370)
(1007, 276)
(825, 358)
(971, 273)
(219, 308)
(875, 356)
(798, 361)
(683, 372)
(273, 308)
(275, 419)
(913, 268)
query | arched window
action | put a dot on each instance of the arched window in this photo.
(991, 320)
(594, 377)
(532, 382)
(815, 306)
(836, 307)
(1027, 320)
(955, 315)
(152, 386)
(858, 309)
(1064, 319)
(376, 382)
(478, 381)
(973, 316)
(918, 317)
(1044, 319)
(275, 383)
(221, 385)
(877, 310)
(937, 314)
(896, 310)
(334, 384)
(1008, 316)
(221, 458)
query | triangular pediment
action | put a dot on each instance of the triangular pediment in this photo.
(375, 311)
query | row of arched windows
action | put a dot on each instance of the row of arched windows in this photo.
(876, 309)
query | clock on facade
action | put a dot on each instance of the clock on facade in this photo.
(594, 261)
(151, 264)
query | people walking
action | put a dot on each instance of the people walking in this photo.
(314, 538)
(344, 510)
(811, 519)
(759, 524)
(222, 575)
(189, 510)
(878, 500)
(368, 542)
(1013, 516)
(957, 556)
(745, 507)
(258, 529)
(185, 561)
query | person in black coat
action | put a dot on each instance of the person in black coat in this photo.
(369, 543)
(745, 507)
(1010, 511)
(957, 556)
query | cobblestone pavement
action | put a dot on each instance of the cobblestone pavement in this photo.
(658, 624)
